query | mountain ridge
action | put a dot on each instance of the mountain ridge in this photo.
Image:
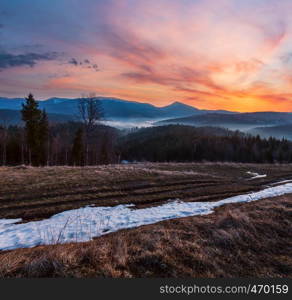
(13, 117)
(114, 108)
(240, 121)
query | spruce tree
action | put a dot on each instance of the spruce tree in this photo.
(31, 115)
(78, 149)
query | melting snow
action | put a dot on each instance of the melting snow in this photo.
(83, 224)
(256, 175)
(7, 222)
(280, 182)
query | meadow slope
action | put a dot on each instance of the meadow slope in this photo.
(248, 239)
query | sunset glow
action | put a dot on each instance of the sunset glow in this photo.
(223, 54)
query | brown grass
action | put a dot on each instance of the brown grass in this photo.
(37, 193)
(238, 240)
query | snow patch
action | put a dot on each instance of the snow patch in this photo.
(256, 175)
(7, 222)
(80, 225)
(280, 182)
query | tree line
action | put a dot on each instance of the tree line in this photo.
(39, 143)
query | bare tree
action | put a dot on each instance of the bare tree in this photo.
(5, 121)
(90, 112)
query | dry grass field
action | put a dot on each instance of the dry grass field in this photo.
(36, 193)
(238, 240)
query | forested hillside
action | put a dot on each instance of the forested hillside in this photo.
(184, 143)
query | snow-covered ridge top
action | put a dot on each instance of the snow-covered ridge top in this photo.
(80, 225)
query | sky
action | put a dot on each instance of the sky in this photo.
(223, 54)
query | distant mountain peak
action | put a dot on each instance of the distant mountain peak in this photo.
(179, 104)
(176, 103)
